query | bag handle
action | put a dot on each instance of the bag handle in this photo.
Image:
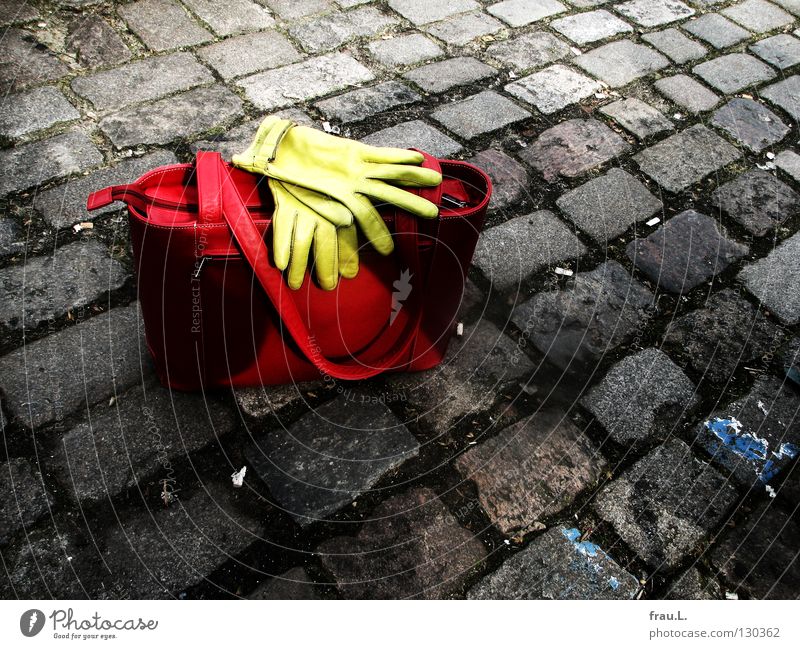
(386, 353)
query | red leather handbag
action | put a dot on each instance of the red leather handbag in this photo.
(217, 312)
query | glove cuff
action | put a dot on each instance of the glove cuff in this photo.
(265, 144)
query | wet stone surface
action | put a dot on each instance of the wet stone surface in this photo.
(595, 313)
(644, 397)
(412, 547)
(531, 470)
(557, 565)
(666, 504)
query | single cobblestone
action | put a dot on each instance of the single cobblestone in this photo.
(421, 13)
(29, 165)
(684, 252)
(643, 398)
(163, 24)
(404, 50)
(331, 456)
(789, 162)
(104, 353)
(557, 566)
(734, 72)
(480, 114)
(716, 30)
(411, 547)
(96, 42)
(758, 16)
(519, 13)
(666, 504)
(303, 81)
(477, 367)
(686, 158)
(357, 105)
(249, 53)
(124, 444)
(25, 62)
(687, 93)
(572, 148)
(621, 62)
(12, 12)
(176, 117)
(755, 437)
(676, 45)
(577, 325)
(590, 26)
(531, 470)
(294, 584)
(143, 80)
(442, 75)
(231, 16)
(203, 531)
(785, 94)
(792, 6)
(34, 110)
(773, 280)
(509, 178)
(65, 204)
(11, 237)
(759, 555)
(607, 206)
(293, 9)
(415, 134)
(758, 201)
(712, 341)
(782, 51)
(553, 88)
(24, 499)
(332, 30)
(509, 253)
(529, 51)
(637, 117)
(654, 13)
(695, 586)
(463, 29)
(750, 123)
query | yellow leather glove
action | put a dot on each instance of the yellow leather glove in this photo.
(303, 218)
(346, 170)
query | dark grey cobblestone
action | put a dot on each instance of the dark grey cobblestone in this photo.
(654, 13)
(685, 251)
(112, 358)
(755, 437)
(411, 547)
(431, 11)
(482, 113)
(639, 118)
(557, 566)
(782, 50)
(758, 201)
(785, 94)
(29, 165)
(621, 62)
(607, 206)
(11, 237)
(553, 88)
(404, 50)
(415, 134)
(734, 72)
(24, 61)
(642, 398)
(330, 31)
(687, 93)
(331, 456)
(509, 178)
(232, 16)
(773, 280)
(11, 12)
(750, 123)
(509, 253)
(96, 42)
(758, 15)
(686, 158)
(693, 585)
(66, 204)
(163, 24)
(442, 75)
(463, 29)
(48, 287)
(146, 429)
(789, 162)
(266, 401)
(676, 45)
(249, 53)
(34, 110)
(528, 51)
(716, 30)
(172, 118)
(667, 504)
(23, 497)
(293, 9)
(359, 104)
(575, 326)
(531, 470)
(294, 584)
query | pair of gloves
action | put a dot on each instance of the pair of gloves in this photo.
(323, 186)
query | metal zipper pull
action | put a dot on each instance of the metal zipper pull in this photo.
(452, 201)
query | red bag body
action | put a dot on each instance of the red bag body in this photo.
(218, 313)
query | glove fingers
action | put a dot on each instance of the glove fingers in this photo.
(283, 222)
(348, 251)
(392, 155)
(371, 223)
(326, 256)
(301, 245)
(403, 199)
(328, 208)
(406, 174)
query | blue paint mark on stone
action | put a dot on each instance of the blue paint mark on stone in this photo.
(613, 582)
(771, 469)
(586, 548)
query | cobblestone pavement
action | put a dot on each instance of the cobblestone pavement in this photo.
(620, 418)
